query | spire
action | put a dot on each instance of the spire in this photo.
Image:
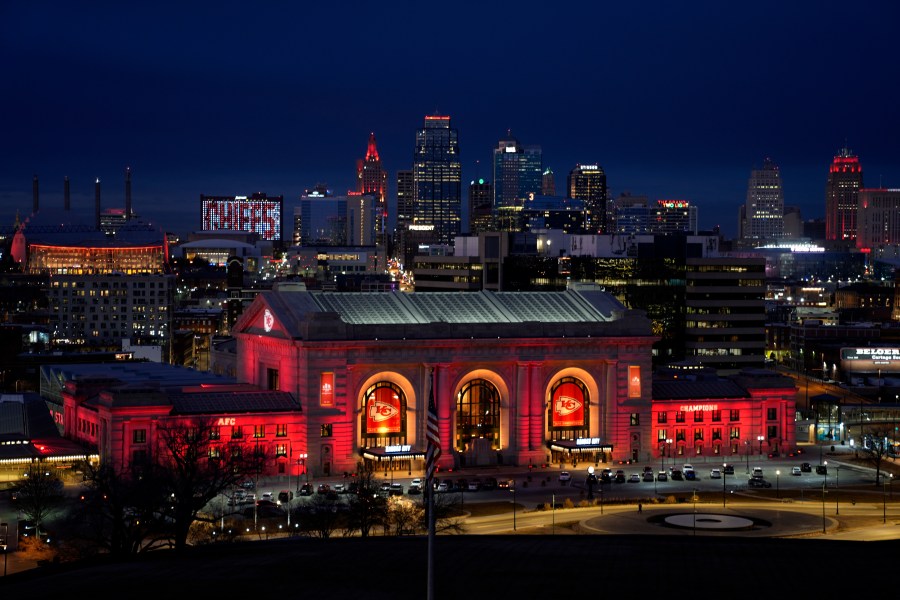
(372, 151)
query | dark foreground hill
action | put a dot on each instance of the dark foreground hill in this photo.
(496, 567)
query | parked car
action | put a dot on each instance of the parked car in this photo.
(504, 484)
(690, 475)
(285, 496)
(475, 485)
(821, 470)
(676, 475)
(565, 477)
(796, 471)
(306, 489)
(662, 476)
(489, 484)
(634, 478)
(606, 475)
(757, 472)
(715, 474)
(396, 489)
(647, 476)
(323, 488)
(806, 468)
(620, 476)
(729, 469)
(687, 467)
(443, 487)
(340, 488)
(758, 482)
(414, 488)
(268, 497)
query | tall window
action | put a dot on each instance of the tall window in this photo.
(280, 449)
(271, 379)
(772, 414)
(662, 417)
(384, 415)
(237, 432)
(281, 430)
(259, 431)
(679, 416)
(716, 416)
(139, 436)
(635, 419)
(734, 414)
(477, 415)
(698, 416)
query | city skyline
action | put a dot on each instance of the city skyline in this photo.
(672, 102)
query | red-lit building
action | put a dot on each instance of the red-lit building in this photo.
(519, 377)
(698, 414)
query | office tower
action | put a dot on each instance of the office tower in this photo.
(845, 178)
(437, 181)
(588, 184)
(481, 200)
(878, 222)
(548, 185)
(371, 179)
(335, 220)
(764, 207)
(406, 196)
(518, 172)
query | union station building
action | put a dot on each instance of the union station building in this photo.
(325, 380)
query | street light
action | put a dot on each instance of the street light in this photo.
(777, 493)
(760, 439)
(512, 488)
(723, 484)
(591, 479)
(669, 449)
(747, 454)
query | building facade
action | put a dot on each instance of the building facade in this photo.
(437, 179)
(764, 208)
(518, 172)
(257, 213)
(588, 184)
(878, 218)
(845, 178)
(371, 180)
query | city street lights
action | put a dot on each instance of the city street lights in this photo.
(777, 475)
(747, 454)
(669, 449)
(512, 488)
(760, 439)
(723, 484)
(591, 479)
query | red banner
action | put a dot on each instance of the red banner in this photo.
(326, 389)
(383, 412)
(634, 381)
(568, 406)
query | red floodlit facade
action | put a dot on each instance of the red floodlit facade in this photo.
(845, 178)
(517, 392)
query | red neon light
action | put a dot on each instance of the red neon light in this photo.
(372, 151)
(104, 249)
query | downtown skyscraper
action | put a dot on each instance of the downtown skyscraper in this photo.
(518, 172)
(371, 179)
(437, 175)
(845, 178)
(588, 184)
(763, 214)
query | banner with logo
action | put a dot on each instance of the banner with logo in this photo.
(568, 406)
(383, 412)
(634, 381)
(326, 389)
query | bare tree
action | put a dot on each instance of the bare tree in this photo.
(876, 444)
(39, 495)
(368, 509)
(321, 517)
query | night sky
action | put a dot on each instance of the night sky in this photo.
(673, 100)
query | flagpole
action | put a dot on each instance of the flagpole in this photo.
(430, 510)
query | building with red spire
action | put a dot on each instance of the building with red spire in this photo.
(845, 178)
(371, 178)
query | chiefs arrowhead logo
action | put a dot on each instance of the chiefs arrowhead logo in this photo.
(268, 321)
(566, 405)
(382, 411)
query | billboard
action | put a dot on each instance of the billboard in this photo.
(568, 406)
(870, 359)
(256, 214)
(384, 412)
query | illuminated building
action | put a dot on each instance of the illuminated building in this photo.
(257, 213)
(588, 184)
(698, 414)
(845, 178)
(336, 220)
(518, 172)
(548, 185)
(634, 216)
(878, 224)
(437, 178)
(519, 377)
(371, 180)
(481, 202)
(763, 211)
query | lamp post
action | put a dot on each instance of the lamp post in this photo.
(747, 454)
(512, 488)
(777, 475)
(724, 493)
(760, 439)
(825, 481)
(837, 484)
(591, 478)
(668, 448)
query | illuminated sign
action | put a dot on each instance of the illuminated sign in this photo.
(226, 421)
(393, 449)
(634, 381)
(696, 407)
(870, 359)
(268, 320)
(421, 227)
(568, 406)
(326, 389)
(383, 413)
(255, 215)
(673, 203)
(587, 441)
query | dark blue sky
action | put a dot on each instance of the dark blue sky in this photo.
(673, 100)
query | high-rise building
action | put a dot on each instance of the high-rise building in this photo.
(481, 201)
(588, 184)
(548, 185)
(518, 172)
(764, 208)
(335, 220)
(406, 198)
(371, 179)
(258, 214)
(845, 178)
(437, 174)
(879, 219)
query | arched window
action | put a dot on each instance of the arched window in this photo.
(383, 416)
(477, 415)
(568, 414)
